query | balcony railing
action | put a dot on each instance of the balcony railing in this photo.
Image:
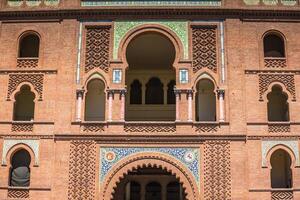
(274, 62)
(27, 63)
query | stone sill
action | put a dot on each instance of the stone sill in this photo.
(32, 188)
(275, 190)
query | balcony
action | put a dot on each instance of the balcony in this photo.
(27, 63)
(275, 62)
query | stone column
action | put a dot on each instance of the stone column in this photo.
(143, 190)
(79, 99)
(163, 190)
(127, 187)
(221, 96)
(110, 94)
(165, 94)
(122, 109)
(177, 95)
(190, 105)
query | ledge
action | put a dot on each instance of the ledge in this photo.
(274, 190)
(47, 188)
(32, 71)
(27, 122)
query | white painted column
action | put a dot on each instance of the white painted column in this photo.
(177, 95)
(122, 110)
(79, 99)
(221, 94)
(190, 105)
(128, 185)
(110, 104)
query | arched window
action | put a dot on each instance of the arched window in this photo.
(154, 91)
(20, 169)
(281, 173)
(136, 92)
(206, 101)
(153, 191)
(274, 45)
(174, 191)
(24, 105)
(133, 191)
(171, 95)
(29, 46)
(95, 101)
(278, 107)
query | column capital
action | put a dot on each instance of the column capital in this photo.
(221, 92)
(117, 91)
(80, 93)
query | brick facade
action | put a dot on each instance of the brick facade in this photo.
(79, 43)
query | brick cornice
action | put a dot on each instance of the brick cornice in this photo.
(152, 13)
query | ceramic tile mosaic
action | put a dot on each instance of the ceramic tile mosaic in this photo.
(190, 157)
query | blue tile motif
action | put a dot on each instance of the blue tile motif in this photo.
(123, 152)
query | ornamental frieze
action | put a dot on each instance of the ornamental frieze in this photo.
(189, 157)
(150, 3)
(180, 28)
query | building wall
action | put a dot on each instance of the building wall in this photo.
(232, 155)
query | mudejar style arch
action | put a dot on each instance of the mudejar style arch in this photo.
(153, 160)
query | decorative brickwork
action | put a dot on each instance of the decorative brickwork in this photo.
(97, 48)
(275, 62)
(92, 128)
(22, 127)
(204, 48)
(217, 175)
(150, 128)
(206, 128)
(35, 79)
(279, 128)
(27, 63)
(282, 195)
(266, 79)
(82, 168)
(18, 194)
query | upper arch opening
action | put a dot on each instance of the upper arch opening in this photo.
(150, 51)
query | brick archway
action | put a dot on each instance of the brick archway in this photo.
(155, 160)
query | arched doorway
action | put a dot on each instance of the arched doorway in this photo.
(150, 57)
(281, 173)
(206, 101)
(149, 183)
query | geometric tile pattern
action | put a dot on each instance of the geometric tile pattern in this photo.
(109, 156)
(153, 128)
(16, 79)
(286, 79)
(92, 128)
(18, 194)
(282, 195)
(97, 48)
(22, 127)
(180, 28)
(150, 3)
(217, 174)
(206, 128)
(279, 128)
(27, 63)
(204, 48)
(275, 62)
(82, 167)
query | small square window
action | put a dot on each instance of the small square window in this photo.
(117, 76)
(183, 76)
